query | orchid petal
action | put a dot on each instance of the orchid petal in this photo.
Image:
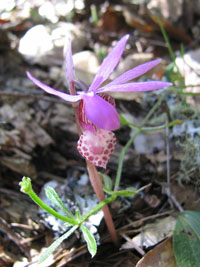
(135, 72)
(139, 86)
(46, 88)
(101, 113)
(69, 65)
(109, 63)
(96, 83)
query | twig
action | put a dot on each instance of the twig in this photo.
(138, 222)
(173, 199)
(4, 226)
(133, 244)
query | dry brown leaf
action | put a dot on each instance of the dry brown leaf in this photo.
(112, 21)
(160, 256)
(148, 22)
(153, 233)
(133, 20)
(176, 33)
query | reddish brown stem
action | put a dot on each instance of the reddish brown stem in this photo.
(98, 188)
(95, 179)
(75, 106)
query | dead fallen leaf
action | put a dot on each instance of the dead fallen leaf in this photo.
(153, 233)
(112, 21)
(160, 256)
(148, 22)
(133, 20)
(176, 33)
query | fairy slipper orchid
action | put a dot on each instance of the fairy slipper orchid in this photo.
(100, 114)
(95, 145)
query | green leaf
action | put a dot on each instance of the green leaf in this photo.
(77, 212)
(94, 14)
(123, 121)
(107, 181)
(131, 191)
(172, 73)
(90, 240)
(182, 50)
(55, 199)
(57, 243)
(186, 239)
(26, 185)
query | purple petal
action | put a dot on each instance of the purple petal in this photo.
(46, 88)
(139, 86)
(96, 83)
(135, 72)
(100, 112)
(69, 65)
(109, 63)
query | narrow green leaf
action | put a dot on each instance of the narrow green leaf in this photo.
(186, 239)
(55, 199)
(94, 14)
(57, 243)
(26, 188)
(182, 50)
(171, 52)
(77, 212)
(128, 192)
(90, 240)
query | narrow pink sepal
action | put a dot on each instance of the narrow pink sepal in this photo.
(69, 65)
(101, 113)
(109, 63)
(137, 86)
(97, 147)
(135, 72)
(46, 88)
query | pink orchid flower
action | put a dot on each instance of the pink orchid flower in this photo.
(99, 115)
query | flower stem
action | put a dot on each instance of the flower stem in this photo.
(121, 159)
(98, 188)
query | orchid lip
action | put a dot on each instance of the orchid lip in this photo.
(101, 113)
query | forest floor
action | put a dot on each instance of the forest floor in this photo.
(38, 133)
